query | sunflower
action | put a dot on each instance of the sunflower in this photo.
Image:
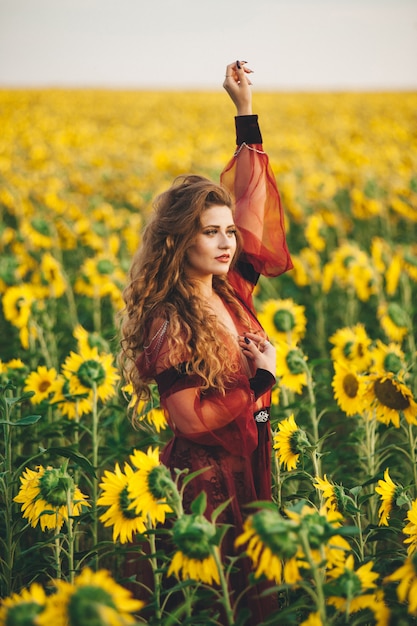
(320, 527)
(394, 321)
(271, 539)
(334, 494)
(291, 366)
(283, 319)
(391, 494)
(17, 304)
(44, 493)
(388, 358)
(23, 609)
(73, 407)
(352, 347)
(88, 370)
(315, 232)
(390, 398)
(38, 232)
(349, 388)
(411, 528)
(52, 277)
(195, 538)
(115, 496)
(146, 411)
(289, 443)
(407, 577)
(94, 598)
(100, 277)
(151, 486)
(356, 584)
(41, 383)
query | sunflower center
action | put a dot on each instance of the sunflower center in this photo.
(124, 503)
(397, 315)
(350, 385)
(295, 361)
(91, 373)
(390, 396)
(44, 385)
(23, 614)
(54, 486)
(392, 363)
(284, 321)
(84, 607)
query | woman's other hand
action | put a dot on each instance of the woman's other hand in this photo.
(259, 351)
(238, 86)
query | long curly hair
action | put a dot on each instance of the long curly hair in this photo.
(159, 288)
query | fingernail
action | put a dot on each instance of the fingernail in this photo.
(238, 65)
(247, 340)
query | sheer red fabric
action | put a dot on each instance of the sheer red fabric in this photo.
(216, 431)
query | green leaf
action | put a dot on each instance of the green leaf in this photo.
(78, 458)
(198, 506)
(190, 477)
(218, 510)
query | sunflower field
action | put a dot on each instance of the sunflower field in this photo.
(85, 504)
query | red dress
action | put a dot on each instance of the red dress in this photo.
(220, 431)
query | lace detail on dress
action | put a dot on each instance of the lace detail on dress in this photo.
(153, 347)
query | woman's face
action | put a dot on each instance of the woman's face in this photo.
(213, 248)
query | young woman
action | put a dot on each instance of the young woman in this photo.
(189, 322)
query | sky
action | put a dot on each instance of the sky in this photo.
(185, 44)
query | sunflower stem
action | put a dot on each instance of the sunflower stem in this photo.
(70, 538)
(225, 597)
(94, 480)
(57, 550)
(7, 488)
(413, 442)
(156, 574)
(317, 576)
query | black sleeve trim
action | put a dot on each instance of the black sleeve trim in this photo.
(247, 129)
(262, 382)
(247, 271)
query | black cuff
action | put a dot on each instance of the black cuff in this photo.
(262, 382)
(247, 129)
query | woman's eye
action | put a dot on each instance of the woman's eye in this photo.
(232, 232)
(210, 232)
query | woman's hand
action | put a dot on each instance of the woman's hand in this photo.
(238, 86)
(259, 351)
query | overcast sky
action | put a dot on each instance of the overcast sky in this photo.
(291, 44)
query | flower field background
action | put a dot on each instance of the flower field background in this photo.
(84, 499)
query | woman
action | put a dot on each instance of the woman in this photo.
(190, 325)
